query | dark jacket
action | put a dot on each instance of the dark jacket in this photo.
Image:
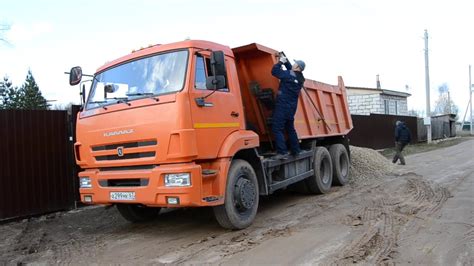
(402, 134)
(291, 83)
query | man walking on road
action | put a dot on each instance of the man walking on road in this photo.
(402, 138)
(291, 82)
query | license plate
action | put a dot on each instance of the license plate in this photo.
(122, 195)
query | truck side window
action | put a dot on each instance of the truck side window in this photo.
(203, 70)
(200, 75)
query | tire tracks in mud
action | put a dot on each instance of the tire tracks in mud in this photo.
(29, 241)
(466, 243)
(217, 247)
(375, 213)
(379, 241)
(55, 238)
(382, 218)
(295, 217)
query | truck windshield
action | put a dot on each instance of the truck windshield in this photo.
(145, 77)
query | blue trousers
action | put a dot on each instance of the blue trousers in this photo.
(283, 119)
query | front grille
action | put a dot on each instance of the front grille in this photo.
(132, 182)
(135, 144)
(125, 156)
(124, 168)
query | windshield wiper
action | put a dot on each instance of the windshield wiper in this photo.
(140, 94)
(122, 100)
(98, 102)
(149, 94)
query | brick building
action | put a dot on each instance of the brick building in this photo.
(364, 101)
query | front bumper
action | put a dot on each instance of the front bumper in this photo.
(154, 193)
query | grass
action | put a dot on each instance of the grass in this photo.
(424, 147)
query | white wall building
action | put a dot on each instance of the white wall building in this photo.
(364, 101)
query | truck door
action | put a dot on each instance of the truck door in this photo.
(222, 113)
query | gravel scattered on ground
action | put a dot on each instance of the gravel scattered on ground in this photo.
(368, 164)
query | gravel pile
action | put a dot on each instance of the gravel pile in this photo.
(367, 164)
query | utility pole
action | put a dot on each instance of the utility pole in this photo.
(470, 99)
(427, 120)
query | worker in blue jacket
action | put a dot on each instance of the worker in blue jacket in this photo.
(291, 82)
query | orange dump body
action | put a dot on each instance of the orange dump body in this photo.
(322, 108)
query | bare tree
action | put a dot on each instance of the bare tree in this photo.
(3, 29)
(62, 106)
(444, 104)
(414, 112)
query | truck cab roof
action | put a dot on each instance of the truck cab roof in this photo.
(153, 49)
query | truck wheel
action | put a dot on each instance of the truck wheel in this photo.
(321, 181)
(137, 213)
(340, 164)
(241, 197)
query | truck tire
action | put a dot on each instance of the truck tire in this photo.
(241, 197)
(340, 164)
(321, 180)
(137, 213)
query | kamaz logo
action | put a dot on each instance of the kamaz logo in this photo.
(120, 151)
(119, 132)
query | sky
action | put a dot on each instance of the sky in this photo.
(355, 39)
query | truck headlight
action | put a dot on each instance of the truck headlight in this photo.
(178, 180)
(85, 182)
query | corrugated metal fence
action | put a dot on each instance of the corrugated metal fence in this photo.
(36, 163)
(377, 131)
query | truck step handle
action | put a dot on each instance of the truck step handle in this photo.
(234, 114)
(208, 173)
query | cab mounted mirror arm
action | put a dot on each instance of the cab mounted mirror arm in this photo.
(75, 77)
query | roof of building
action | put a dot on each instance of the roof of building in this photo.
(380, 91)
(450, 117)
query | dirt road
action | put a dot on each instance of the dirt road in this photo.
(423, 213)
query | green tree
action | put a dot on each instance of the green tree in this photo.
(10, 96)
(3, 91)
(31, 98)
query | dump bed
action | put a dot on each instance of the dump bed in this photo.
(322, 108)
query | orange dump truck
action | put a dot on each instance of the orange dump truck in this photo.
(188, 124)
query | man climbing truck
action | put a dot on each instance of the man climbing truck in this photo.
(188, 124)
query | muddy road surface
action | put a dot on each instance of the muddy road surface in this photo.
(422, 213)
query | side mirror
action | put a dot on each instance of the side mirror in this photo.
(215, 82)
(75, 75)
(218, 63)
(110, 88)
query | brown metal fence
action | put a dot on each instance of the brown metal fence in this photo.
(377, 131)
(36, 163)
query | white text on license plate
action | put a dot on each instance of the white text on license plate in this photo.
(122, 195)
